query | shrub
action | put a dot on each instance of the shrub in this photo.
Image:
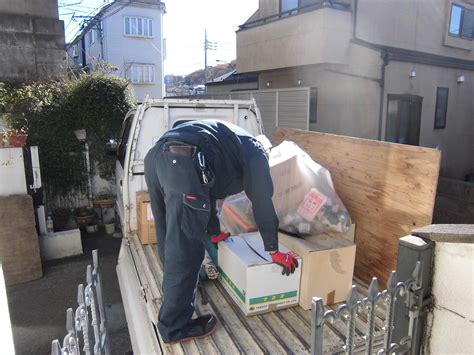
(51, 111)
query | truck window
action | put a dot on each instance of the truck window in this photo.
(122, 148)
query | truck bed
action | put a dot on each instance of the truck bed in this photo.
(284, 331)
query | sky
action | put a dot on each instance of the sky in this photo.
(183, 28)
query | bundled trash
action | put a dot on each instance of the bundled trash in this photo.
(304, 197)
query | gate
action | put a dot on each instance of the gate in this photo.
(88, 319)
(403, 306)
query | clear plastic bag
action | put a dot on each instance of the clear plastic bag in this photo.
(304, 194)
(304, 197)
(236, 215)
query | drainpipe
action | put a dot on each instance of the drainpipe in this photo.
(384, 56)
(354, 21)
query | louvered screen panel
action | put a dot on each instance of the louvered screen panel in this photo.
(266, 102)
(293, 109)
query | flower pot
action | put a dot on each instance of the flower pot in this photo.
(109, 228)
(91, 228)
(104, 203)
(18, 141)
(84, 220)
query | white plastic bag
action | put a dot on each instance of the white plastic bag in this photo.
(304, 197)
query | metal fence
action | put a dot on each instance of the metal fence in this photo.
(86, 326)
(387, 299)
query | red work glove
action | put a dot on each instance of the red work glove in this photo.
(220, 237)
(287, 260)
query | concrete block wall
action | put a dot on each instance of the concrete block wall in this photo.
(32, 47)
(454, 300)
(450, 325)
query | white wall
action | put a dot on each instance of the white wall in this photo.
(120, 49)
(12, 172)
(451, 324)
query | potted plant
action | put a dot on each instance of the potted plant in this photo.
(110, 226)
(15, 138)
(84, 216)
(104, 200)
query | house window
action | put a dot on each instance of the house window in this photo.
(74, 51)
(441, 107)
(462, 22)
(138, 26)
(92, 36)
(141, 73)
(287, 5)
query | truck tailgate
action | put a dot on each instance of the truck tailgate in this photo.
(284, 331)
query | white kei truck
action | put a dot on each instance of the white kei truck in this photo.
(140, 272)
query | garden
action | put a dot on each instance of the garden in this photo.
(72, 122)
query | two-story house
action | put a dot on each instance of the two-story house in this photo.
(126, 36)
(394, 70)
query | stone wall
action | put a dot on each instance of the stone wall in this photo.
(31, 47)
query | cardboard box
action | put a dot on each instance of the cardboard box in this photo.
(145, 222)
(252, 280)
(328, 266)
(289, 185)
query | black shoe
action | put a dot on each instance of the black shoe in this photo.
(198, 328)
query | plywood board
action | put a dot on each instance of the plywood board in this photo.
(19, 250)
(389, 190)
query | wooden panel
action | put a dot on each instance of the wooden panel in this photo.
(19, 250)
(389, 190)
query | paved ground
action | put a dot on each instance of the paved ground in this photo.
(38, 308)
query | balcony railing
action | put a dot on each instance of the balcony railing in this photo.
(344, 5)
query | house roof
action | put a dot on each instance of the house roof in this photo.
(233, 77)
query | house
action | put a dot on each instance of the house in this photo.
(31, 41)
(400, 71)
(125, 38)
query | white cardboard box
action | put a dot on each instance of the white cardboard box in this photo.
(253, 281)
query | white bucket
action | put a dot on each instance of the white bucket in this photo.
(109, 228)
(92, 228)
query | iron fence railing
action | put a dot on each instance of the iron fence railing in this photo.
(87, 320)
(366, 307)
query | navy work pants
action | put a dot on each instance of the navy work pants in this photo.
(181, 208)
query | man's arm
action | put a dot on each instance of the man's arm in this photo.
(258, 186)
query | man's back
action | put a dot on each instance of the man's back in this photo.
(226, 147)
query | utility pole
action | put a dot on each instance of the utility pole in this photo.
(211, 46)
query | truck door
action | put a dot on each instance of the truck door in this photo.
(120, 163)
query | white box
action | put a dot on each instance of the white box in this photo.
(253, 281)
